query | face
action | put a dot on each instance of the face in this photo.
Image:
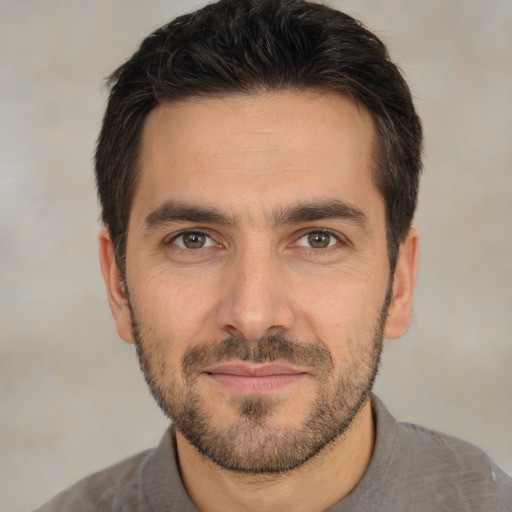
(257, 282)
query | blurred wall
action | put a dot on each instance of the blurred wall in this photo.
(72, 397)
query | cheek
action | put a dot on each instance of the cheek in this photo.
(174, 306)
(343, 313)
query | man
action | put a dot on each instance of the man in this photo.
(258, 170)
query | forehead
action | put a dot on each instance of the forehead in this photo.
(249, 152)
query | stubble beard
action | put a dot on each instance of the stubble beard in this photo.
(253, 443)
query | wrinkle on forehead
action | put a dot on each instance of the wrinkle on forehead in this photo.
(255, 125)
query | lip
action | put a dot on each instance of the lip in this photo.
(254, 379)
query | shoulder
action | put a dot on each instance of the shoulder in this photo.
(102, 489)
(449, 472)
(438, 451)
(147, 482)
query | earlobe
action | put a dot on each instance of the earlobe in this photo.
(114, 284)
(400, 308)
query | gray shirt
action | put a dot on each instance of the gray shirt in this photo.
(412, 469)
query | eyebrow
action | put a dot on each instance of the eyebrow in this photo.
(173, 211)
(320, 210)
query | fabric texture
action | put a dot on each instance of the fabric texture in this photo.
(412, 469)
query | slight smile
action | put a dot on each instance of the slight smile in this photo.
(254, 379)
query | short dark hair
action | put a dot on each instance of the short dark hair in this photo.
(252, 46)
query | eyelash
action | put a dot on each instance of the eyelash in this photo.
(182, 234)
(339, 240)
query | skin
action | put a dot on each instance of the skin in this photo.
(252, 158)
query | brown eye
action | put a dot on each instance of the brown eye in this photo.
(319, 240)
(193, 240)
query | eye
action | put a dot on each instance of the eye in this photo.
(193, 240)
(317, 240)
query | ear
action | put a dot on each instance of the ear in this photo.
(400, 308)
(114, 284)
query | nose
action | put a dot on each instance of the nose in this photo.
(255, 300)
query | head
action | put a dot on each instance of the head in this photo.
(258, 170)
(249, 47)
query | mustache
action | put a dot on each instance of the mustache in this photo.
(276, 347)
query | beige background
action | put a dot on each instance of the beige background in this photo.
(72, 399)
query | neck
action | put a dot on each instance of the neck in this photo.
(318, 484)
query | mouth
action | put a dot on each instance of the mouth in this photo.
(251, 379)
